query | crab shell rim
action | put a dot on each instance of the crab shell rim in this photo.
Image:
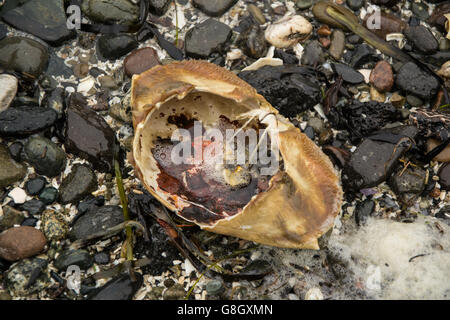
(291, 222)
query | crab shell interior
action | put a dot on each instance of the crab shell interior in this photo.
(303, 197)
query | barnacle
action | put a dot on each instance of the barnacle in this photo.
(290, 205)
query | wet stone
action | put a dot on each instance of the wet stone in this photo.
(10, 170)
(53, 225)
(96, 220)
(48, 195)
(8, 90)
(80, 258)
(119, 288)
(348, 74)
(140, 60)
(413, 80)
(413, 101)
(313, 54)
(303, 4)
(444, 177)
(46, 19)
(26, 120)
(57, 67)
(79, 183)
(20, 243)
(34, 186)
(256, 13)
(33, 206)
(290, 89)
(15, 150)
(214, 8)
(23, 55)
(411, 180)
(27, 276)
(420, 9)
(10, 218)
(337, 44)
(112, 47)
(159, 7)
(363, 210)
(101, 258)
(111, 11)
(89, 136)
(29, 222)
(355, 4)
(362, 55)
(55, 99)
(422, 38)
(382, 76)
(45, 156)
(206, 38)
(252, 42)
(372, 162)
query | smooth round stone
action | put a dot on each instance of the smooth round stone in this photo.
(422, 38)
(79, 183)
(206, 38)
(26, 120)
(113, 46)
(10, 170)
(53, 225)
(80, 258)
(355, 4)
(140, 60)
(337, 44)
(101, 258)
(20, 243)
(111, 11)
(34, 186)
(48, 195)
(8, 90)
(29, 222)
(46, 19)
(33, 206)
(45, 156)
(256, 13)
(214, 8)
(382, 76)
(18, 195)
(303, 4)
(23, 55)
(214, 287)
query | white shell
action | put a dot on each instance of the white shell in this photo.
(288, 31)
(8, 90)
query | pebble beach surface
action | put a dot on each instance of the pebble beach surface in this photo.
(65, 116)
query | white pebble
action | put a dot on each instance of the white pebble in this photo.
(18, 195)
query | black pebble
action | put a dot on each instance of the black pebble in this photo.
(34, 186)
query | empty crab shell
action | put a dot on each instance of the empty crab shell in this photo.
(290, 207)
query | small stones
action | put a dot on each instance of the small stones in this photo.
(95, 221)
(313, 54)
(382, 76)
(409, 181)
(20, 243)
(355, 4)
(45, 19)
(18, 195)
(214, 8)
(33, 206)
(348, 74)
(53, 225)
(444, 177)
(48, 195)
(10, 170)
(140, 60)
(45, 156)
(206, 38)
(119, 288)
(8, 90)
(111, 11)
(23, 55)
(175, 292)
(214, 287)
(27, 276)
(80, 258)
(81, 70)
(422, 38)
(89, 136)
(159, 7)
(420, 9)
(337, 44)
(303, 4)
(256, 13)
(78, 184)
(101, 258)
(288, 31)
(252, 42)
(113, 46)
(416, 81)
(26, 120)
(34, 186)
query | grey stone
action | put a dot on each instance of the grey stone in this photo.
(214, 8)
(111, 11)
(10, 170)
(78, 184)
(206, 38)
(45, 156)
